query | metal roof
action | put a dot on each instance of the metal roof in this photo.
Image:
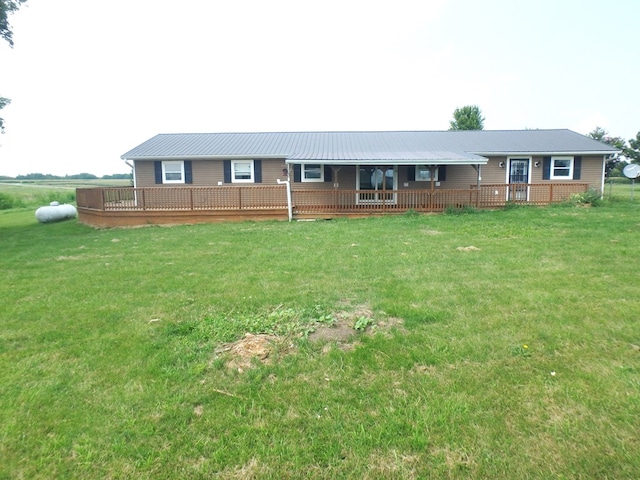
(401, 147)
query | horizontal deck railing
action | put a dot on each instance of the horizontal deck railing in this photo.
(310, 202)
(183, 198)
(497, 195)
(365, 201)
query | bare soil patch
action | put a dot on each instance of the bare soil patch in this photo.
(255, 349)
(470, 248)
(249, 349)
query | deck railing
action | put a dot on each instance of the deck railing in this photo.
(497, 195)
(310, 202)
(368, 201)
(183, 198)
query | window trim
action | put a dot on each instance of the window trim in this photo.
(429, 168)
(165, 163)
(252, 170)
(552, 168)
(303, 173)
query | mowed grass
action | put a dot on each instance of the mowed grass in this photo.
(518, 358)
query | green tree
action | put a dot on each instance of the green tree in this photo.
(7, 7)
(602, 135)
(468, 117)
(3, 103)
(633, 152)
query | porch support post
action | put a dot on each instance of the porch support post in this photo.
(478, 186)
(384, 188)
(478, 169)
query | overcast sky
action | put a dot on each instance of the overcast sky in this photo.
(90, 80)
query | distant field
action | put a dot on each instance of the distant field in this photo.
(65, 183)
(34, 193)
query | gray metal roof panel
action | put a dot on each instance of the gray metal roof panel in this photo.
(456, 146)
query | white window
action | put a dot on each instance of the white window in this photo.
(561, 168)
(242, 171)
(312, 172)
(173, 172)
(423, 173)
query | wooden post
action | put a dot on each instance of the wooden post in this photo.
(478, 186)
(384, 188)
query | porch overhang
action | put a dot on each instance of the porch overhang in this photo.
(394, 158)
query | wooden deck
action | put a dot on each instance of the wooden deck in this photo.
(128, 206)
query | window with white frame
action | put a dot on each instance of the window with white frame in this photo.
(312, 172)
(173, 172)
(242, 171)
(423, 173)
(561, 168)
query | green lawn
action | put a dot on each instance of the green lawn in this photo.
(517, 358)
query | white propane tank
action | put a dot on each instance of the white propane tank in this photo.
(55, 212)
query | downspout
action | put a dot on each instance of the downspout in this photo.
(604, 170)
(288, 187)
(133, 171)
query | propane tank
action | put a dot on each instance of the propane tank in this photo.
(55, 212)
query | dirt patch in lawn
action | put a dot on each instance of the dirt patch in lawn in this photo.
(343, 333)
(250, 349)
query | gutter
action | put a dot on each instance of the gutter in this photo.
(551, 153)
(201, 157)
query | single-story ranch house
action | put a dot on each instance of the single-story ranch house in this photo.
(203, 177)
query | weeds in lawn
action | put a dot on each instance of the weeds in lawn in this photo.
(362, 323)
(464, 210)
(521, 351)
(591, 197)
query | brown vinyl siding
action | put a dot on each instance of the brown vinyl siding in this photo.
(272, 170)
(145, 176)
(591, 171)
(207, 173)
(210, 172)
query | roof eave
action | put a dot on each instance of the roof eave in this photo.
(200, 157)
(555, 152)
